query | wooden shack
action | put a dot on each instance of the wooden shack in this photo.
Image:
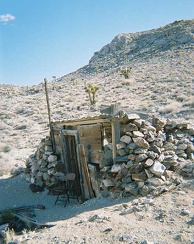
(80, 144)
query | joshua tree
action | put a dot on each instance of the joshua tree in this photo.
(125, 72)
(91, 90)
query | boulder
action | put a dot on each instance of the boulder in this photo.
(126, 139)
(52, 158)
(155, 181)
(149, 162)
(116, 168)
(138, 134)
(157, 169)
(141, 142)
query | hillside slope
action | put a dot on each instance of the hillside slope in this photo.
(131, 48)
(160, 82)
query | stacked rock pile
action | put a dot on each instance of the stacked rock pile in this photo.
(44, 168)
(148, 154)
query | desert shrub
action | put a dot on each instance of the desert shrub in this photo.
(5, 164)
(189, 103)
(174, 106)
(21, 127)
(6, 149)
(10, 236)
(20, 111)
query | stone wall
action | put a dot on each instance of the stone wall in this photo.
(44, 167)
(149, 155)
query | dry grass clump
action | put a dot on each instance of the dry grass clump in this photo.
(190, 102)
(10, 236)
(4, 164)
(171, 107)
(5, 149)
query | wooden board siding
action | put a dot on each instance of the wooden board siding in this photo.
(91, 138)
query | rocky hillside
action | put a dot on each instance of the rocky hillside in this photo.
(131, 48)
(160, 81)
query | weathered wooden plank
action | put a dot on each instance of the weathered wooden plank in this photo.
(81, 122)
(94, 179)
(63, 152)
(96, 156)
(86, 172)
(69, 132)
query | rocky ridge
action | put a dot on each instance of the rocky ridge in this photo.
(131, 48)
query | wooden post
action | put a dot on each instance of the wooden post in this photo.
(115, 125)
(49, 115)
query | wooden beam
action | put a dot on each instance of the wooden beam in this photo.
(115, 125)
(82, 121)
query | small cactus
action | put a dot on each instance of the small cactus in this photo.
(91, 90)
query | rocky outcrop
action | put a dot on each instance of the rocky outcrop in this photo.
(127, 48)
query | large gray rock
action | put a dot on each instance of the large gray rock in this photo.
(190, 148)
(139, 177)
(140, 151)
(132, 146)
(141, 157)
(126, 139)
(157, 169)
(138, 134)
(130, 127)
(155, 181)
(141, 142)
(52, 158)
(148, 163)
(182, 146)
(108, 182)
(136, 168)
(116, 168)
(152, 154)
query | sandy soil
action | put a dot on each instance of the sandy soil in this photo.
(168, 218)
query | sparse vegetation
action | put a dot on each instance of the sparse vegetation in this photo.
(126, 72)
(91, 90)
(174, 106)
(6, 149)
